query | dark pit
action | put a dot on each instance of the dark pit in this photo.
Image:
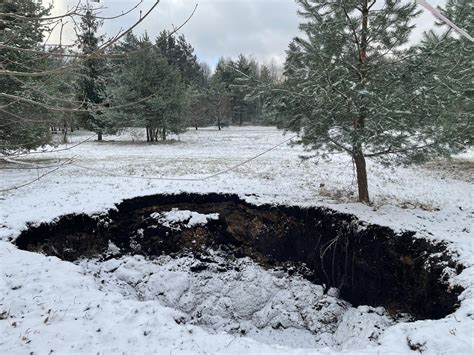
(369, 264)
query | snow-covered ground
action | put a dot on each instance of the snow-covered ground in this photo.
(175, 217)
(48, 304)
(241, 298)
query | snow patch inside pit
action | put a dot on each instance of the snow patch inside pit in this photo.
(175, 219)
(239, 297)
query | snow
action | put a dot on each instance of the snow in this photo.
(174, 219)
(48, 304)
(240, 297)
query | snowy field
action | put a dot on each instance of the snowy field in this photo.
(51, 306)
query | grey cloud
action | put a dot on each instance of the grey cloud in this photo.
(261, 28)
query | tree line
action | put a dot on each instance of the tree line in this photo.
(138, 82)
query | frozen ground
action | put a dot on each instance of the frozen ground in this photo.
(241, 298)
(47, 304)
(174, 218)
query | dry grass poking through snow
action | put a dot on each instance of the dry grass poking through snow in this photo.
(458, 168)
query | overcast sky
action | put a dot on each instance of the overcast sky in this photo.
(261, 28)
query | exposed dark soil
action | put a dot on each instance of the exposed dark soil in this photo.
(369, 264)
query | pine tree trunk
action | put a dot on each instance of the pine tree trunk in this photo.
(163, 134)
(219, 123)
(99, 136)
(65, 133)
(359, 122)
(147, 134)
(361, 170)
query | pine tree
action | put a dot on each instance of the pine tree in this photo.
(353, 86)
(450, 57)
(153, 89)
(223, 82)
(58, 91)
(267, 78)
(198, 111)
(22, 125)
(219, 103)
(240, 106)
(180, 54)
(91, 85)
(244, 107)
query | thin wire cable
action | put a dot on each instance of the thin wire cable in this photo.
(30, 164)
(54, 150)
(70, 162)
(16, 187)
(184, 179)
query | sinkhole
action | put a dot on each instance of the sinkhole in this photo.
(282, 274)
